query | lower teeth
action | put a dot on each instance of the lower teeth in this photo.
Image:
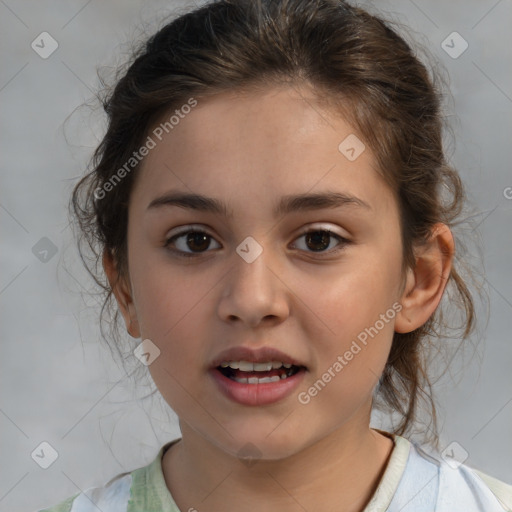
(288, 372)
(256, 380)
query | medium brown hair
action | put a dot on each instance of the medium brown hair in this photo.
(356, 63)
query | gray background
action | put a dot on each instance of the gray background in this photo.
(58, 382)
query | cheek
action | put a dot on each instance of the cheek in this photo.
(353, 297)
(357, 307)
(173, 310)
(352, 352)
(172, 307)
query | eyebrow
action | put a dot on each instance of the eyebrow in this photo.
(287, 204)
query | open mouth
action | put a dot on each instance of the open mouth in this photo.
(245, 372)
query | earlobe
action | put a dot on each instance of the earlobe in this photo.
(122, 293)
(426, 282)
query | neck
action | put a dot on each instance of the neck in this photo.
(339, 472)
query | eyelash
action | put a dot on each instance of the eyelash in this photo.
(342, 242)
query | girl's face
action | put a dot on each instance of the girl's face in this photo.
(255, 287)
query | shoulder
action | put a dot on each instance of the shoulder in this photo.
(465, 483)
(431, 480)
(501, 490)
(111, 497)
(140, 490)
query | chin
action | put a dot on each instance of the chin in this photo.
(251, 445)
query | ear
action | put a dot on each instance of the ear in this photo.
(425, 283)
(122, 293)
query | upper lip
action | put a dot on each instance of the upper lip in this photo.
(260, 355)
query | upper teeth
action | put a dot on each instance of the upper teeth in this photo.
(247, 366)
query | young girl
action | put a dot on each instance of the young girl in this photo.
(272, 208)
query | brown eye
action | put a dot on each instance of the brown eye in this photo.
(190, 242)
(199, 241)
(318, 240)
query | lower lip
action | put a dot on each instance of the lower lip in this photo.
(257, 394)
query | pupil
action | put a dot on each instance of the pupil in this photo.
(198, 237)
(324, 238)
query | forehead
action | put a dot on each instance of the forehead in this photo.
(255, 144)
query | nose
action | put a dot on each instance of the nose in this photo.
(254, 293)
